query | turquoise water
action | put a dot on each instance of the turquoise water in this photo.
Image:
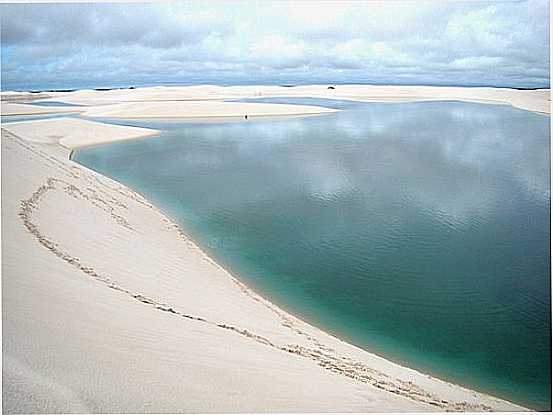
(419, 231)
(53, 104)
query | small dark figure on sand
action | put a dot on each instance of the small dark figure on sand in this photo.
(245, 116)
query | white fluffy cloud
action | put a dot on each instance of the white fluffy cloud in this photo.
(73, 45)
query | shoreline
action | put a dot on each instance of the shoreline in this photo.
(205, 99)
(420, 387)
(241, 279)
(256, 291)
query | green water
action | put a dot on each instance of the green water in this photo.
(419, 231)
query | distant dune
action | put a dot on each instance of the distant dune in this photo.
(190, 101)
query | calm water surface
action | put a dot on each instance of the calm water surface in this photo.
(419, 231)
(53, 104)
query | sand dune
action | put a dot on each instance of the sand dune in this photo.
(22, 97)
(198, 109)
(10, 108)
(208, 101)
(532, 100)
(108, 306)
(72, 132)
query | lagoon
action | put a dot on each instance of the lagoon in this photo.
(418, 231)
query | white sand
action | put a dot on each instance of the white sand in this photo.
(169, 109)
(17, 96)
(109, 307)
(532, 100)
(72, 132)
(10, 108)
(206, 101)
(196, 109)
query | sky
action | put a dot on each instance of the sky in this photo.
(493, 43)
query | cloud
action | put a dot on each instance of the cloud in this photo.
(494, 43)
(475, 62)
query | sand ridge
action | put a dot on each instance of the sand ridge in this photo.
(210, 100)
(197, 109)
(14, 109)
(73, 133)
